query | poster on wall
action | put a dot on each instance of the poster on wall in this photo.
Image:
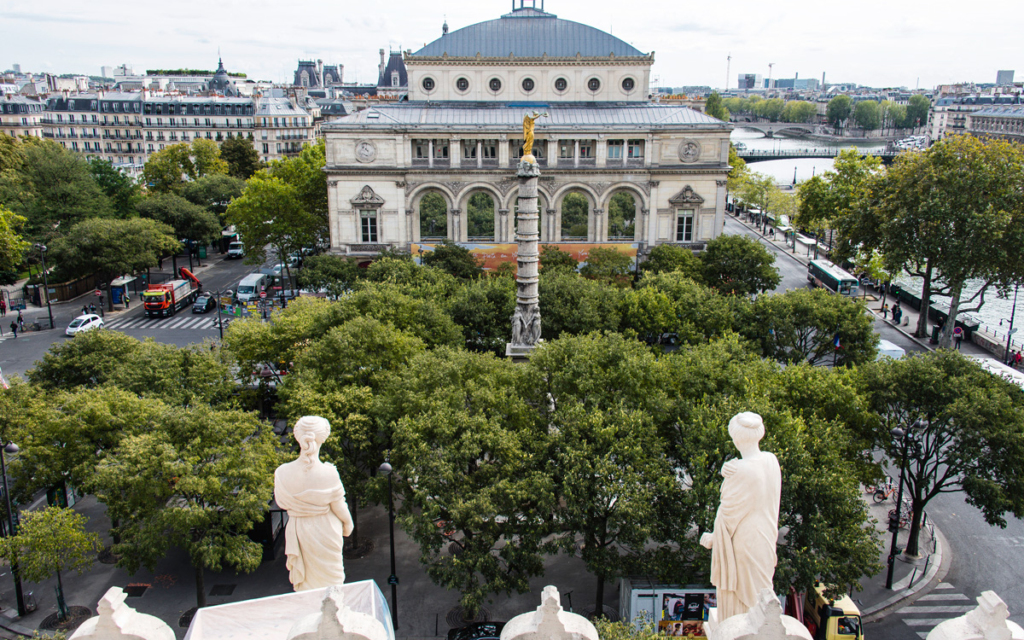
(493, 255)
(683, 614)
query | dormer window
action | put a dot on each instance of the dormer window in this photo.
(394, 78)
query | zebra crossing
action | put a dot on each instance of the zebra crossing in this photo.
(942, 604)
(190, 322)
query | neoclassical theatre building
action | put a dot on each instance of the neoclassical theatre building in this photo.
(413, 171)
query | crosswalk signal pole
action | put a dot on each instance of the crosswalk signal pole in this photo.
(220, 318)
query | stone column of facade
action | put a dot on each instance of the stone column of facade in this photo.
(599, 226)
(526, 320)
(504, 227)
(456, 152)
(719, 208)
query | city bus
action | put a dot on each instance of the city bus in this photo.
(822, 273)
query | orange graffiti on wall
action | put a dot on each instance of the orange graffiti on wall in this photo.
(492, 255)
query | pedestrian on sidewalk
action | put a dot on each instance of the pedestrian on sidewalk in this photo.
(897, 314)
(85, 310)
(92, 308)
(14, 328)
(1017, 359)
(958, 336)
(3, 306)
(21, 321)
(127, 300)
(885, 311)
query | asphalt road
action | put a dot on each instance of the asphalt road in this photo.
(19, 355)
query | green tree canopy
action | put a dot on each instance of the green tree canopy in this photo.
(270, 212)
(868, 115)
(214, 192)
(971, 432)
(122, 191)
(168, 170)
(189, 221)
(484, 308)
(200, 481)
(12, 245)
(839, 110)
(739, 265)
(917, 111)
(305, 173)
(715, 108)
(606, 264)
(335, 275)
(453, 259)
(240, 154)
(573, 304)
(666, 258)
(554, 259)
(111, 248)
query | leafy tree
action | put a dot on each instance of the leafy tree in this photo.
(716, 109)
(799, 111)
(122, 191)
(893, 115)
(470, 454)
(605, 263)
(480, 215)
(700, 313)
(954, 212)
(554, 259)
(622, 215)
(240, 154)
(739, 173)
(89, 362)
(270, 212)
(190, 222)
(757, 190)
(739, 265)
(646, 313)
(53, 189)
(168, 170)
(214, 192)
(802, 326)
(838, 110)
(971, 432)
(484, 308)
(334, 274)
(611, 473)
(573, 304)
(200, 481)
(110, 248)
(12, 246)
(305, 173)
(49, 541)
(575, 208)
(917, 111)
(868, 115)
(835, 199)
(451, 258)
(337, 378)
(666, 258)
(771, 108)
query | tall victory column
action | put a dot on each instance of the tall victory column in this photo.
(526, 320)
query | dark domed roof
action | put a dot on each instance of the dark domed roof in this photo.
(528, 33)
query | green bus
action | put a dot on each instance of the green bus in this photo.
(822, 273)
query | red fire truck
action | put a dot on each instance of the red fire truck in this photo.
(167, 298)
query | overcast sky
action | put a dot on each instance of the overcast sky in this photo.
(874, 42)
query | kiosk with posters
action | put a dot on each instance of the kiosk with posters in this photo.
(675, 611)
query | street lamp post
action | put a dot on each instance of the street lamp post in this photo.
(386, 469)
(12, 448)
(1009, 334)
(46, 282)
(905, 438)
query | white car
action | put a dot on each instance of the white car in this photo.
(84, 323)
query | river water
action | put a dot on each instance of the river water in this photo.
(995, 315)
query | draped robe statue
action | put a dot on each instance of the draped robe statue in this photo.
(746, 526)
(318, 517)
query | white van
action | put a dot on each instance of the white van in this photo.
(236, 250)
(250, 286)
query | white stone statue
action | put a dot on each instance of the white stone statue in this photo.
(118, 621)
(549, 622)
(318, 517)
(336, 621)
(988, 621)
(764, 621)
(747, 524)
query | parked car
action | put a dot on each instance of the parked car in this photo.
(277, 269)
(84, 322)
(295, 259)
(477, 631)
(204, 303)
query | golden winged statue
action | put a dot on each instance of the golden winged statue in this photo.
(528, 121)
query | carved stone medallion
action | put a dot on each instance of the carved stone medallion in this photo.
(366, 151)
(689, 151)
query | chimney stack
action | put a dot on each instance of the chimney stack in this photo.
(383, 64)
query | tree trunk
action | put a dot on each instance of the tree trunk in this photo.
(110, 295)
(913, 545)
(946, 336)
(200, 588)
(174, 263)
(62, 607)
(599, 606)
(926, 299)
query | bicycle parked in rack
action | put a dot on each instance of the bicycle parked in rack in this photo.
(884, 491)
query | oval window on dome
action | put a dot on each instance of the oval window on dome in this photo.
(561, 84)
(495, 85)
(528, 84)
(594, 84)
(628, 84)
(428, 84)
(462, 84)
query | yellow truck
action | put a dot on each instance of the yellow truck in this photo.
(831, 619)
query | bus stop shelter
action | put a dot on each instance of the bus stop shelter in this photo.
(120, 286)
